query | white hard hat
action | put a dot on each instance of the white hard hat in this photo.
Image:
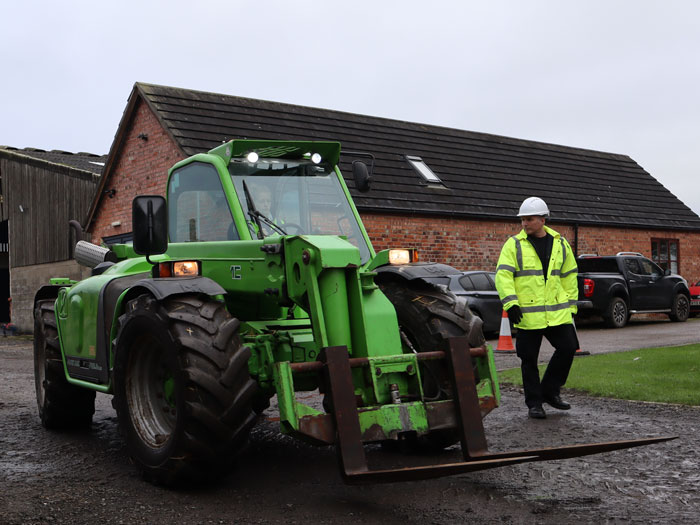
(533, 206)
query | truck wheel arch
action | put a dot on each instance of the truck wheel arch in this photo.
(620, 291)
(49, 291)
(681, 288)
(410, 272)
(161, 289)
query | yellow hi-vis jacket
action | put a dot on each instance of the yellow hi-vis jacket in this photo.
(520, 281)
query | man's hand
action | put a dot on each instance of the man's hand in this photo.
(514, 314)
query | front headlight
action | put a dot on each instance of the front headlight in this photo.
(403, 256)
(177, 269)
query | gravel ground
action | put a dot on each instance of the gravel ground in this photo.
(83, 478)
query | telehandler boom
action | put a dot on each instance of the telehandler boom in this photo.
(255, 277)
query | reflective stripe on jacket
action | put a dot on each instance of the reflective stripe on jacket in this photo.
(520, 281)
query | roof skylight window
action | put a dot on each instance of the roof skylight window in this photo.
(423, 169)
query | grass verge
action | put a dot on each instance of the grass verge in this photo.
(662, 375)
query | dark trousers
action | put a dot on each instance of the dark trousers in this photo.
(527, 344)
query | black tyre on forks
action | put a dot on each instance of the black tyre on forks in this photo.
(428, 316)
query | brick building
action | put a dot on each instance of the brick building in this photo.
(451, 193)
(40, 191)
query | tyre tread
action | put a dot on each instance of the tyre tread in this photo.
(218, 389)
(65, 406)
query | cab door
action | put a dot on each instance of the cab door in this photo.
(637, 284)
(659, 290)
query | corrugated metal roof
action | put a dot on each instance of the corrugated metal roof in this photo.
(82, 161)
(484, 176)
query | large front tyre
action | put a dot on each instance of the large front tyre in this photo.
(680, 309)
(183, 394)
(62, 406)
(428, 316)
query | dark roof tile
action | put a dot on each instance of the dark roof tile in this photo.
(486, 176)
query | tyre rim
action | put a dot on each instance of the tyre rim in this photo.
(619, 313)
(150, 392)
(683, 307)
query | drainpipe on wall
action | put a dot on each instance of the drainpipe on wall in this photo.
(575, 239)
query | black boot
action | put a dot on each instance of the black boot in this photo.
(557, 402)
(537, 412)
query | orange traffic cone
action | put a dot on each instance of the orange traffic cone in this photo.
(505, 340)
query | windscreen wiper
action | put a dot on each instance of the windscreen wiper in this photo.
(256, 216)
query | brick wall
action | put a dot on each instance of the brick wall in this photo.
(141, 169)
(475, 245)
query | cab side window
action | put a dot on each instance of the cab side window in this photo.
(466, 283)
(649, 268)
(492, 282)
(481, 281)
(197, 206)
(632, 266)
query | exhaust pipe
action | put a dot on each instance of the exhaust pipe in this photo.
(91, 255)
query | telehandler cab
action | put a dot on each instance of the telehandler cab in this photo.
(258, 279)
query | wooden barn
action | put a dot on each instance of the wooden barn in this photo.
(40, 192)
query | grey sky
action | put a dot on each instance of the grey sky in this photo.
(613, 76)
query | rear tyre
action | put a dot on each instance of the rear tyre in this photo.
(62, 406)
(428, 317)
(680, 310)
(617, 314)
(183, 394)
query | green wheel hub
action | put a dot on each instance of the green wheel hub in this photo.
(150, 392)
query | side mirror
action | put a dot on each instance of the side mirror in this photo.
(149, 219)
(361, 175)
(667, 271)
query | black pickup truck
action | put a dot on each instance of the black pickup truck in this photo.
(618, 286)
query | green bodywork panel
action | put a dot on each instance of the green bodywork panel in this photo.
(347, 308)
(294, 294)
(76, 312)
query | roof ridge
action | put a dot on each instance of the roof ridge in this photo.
(386, 119)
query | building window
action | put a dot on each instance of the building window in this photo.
(122, 238)
(423, 170)
(665, 253)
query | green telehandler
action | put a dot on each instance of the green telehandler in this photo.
(256, 279)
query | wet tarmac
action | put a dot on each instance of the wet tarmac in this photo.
(86, 478)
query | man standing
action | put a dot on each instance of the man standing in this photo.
(536, 281)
